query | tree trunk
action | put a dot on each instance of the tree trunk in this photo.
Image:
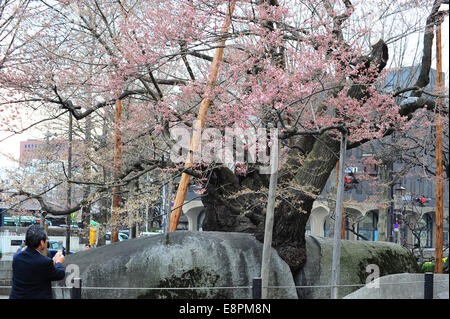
(238, 204)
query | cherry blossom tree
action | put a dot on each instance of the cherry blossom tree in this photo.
(308, 68)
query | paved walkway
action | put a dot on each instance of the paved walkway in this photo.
(3, 269)
(7, 257)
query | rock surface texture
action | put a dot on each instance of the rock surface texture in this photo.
(180, 259)
(402, 286)
(360, 261)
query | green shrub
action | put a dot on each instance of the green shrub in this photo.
(428, 266)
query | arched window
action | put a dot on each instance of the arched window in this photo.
(200, 219)
(368, 226)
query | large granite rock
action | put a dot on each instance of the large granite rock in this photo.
(357, 263)
(402, 286)
(179, 259)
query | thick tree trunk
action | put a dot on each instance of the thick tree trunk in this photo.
(238, 203)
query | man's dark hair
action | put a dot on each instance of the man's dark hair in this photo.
(34, 236)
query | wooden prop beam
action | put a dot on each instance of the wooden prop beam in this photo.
(199, 124)
(439, 168)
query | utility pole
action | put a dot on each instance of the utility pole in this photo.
(199, 124)
(116, 188)
(338, 219)
(267, 247)
(69, 185)
(439, 169)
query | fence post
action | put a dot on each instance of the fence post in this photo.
(428, 287)
(257, 282)
(75, 292)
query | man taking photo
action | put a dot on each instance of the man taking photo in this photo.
(33, 272)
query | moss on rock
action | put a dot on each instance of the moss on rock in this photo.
(195, 277)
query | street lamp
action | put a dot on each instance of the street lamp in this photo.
(398, 210)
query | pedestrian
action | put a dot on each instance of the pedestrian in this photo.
(34, 272)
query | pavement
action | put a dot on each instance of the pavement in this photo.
(5, 257)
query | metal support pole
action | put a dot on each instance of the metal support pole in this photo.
(75, 293)
(390, 219)
(338, 220)
(257, 283)
(428, 287)
(117, 166)
(267, 247)
(69, 185)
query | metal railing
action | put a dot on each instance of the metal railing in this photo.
(256, 287)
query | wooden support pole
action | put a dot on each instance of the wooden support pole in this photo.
(117, 165)
(199, 124)
(439, 169)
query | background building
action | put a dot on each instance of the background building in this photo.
(409, 217)
(42, 150)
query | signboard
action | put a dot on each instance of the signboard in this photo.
(396, 226)
(93, 232)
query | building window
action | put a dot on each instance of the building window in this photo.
(326, 227)
(424, 231)
(368, 226)
(446, 241)
(347, 227)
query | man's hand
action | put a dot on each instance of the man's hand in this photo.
(58, 258)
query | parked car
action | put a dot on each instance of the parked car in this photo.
(122, 236)
(71, 226)
(149, 233)
(52, 248)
